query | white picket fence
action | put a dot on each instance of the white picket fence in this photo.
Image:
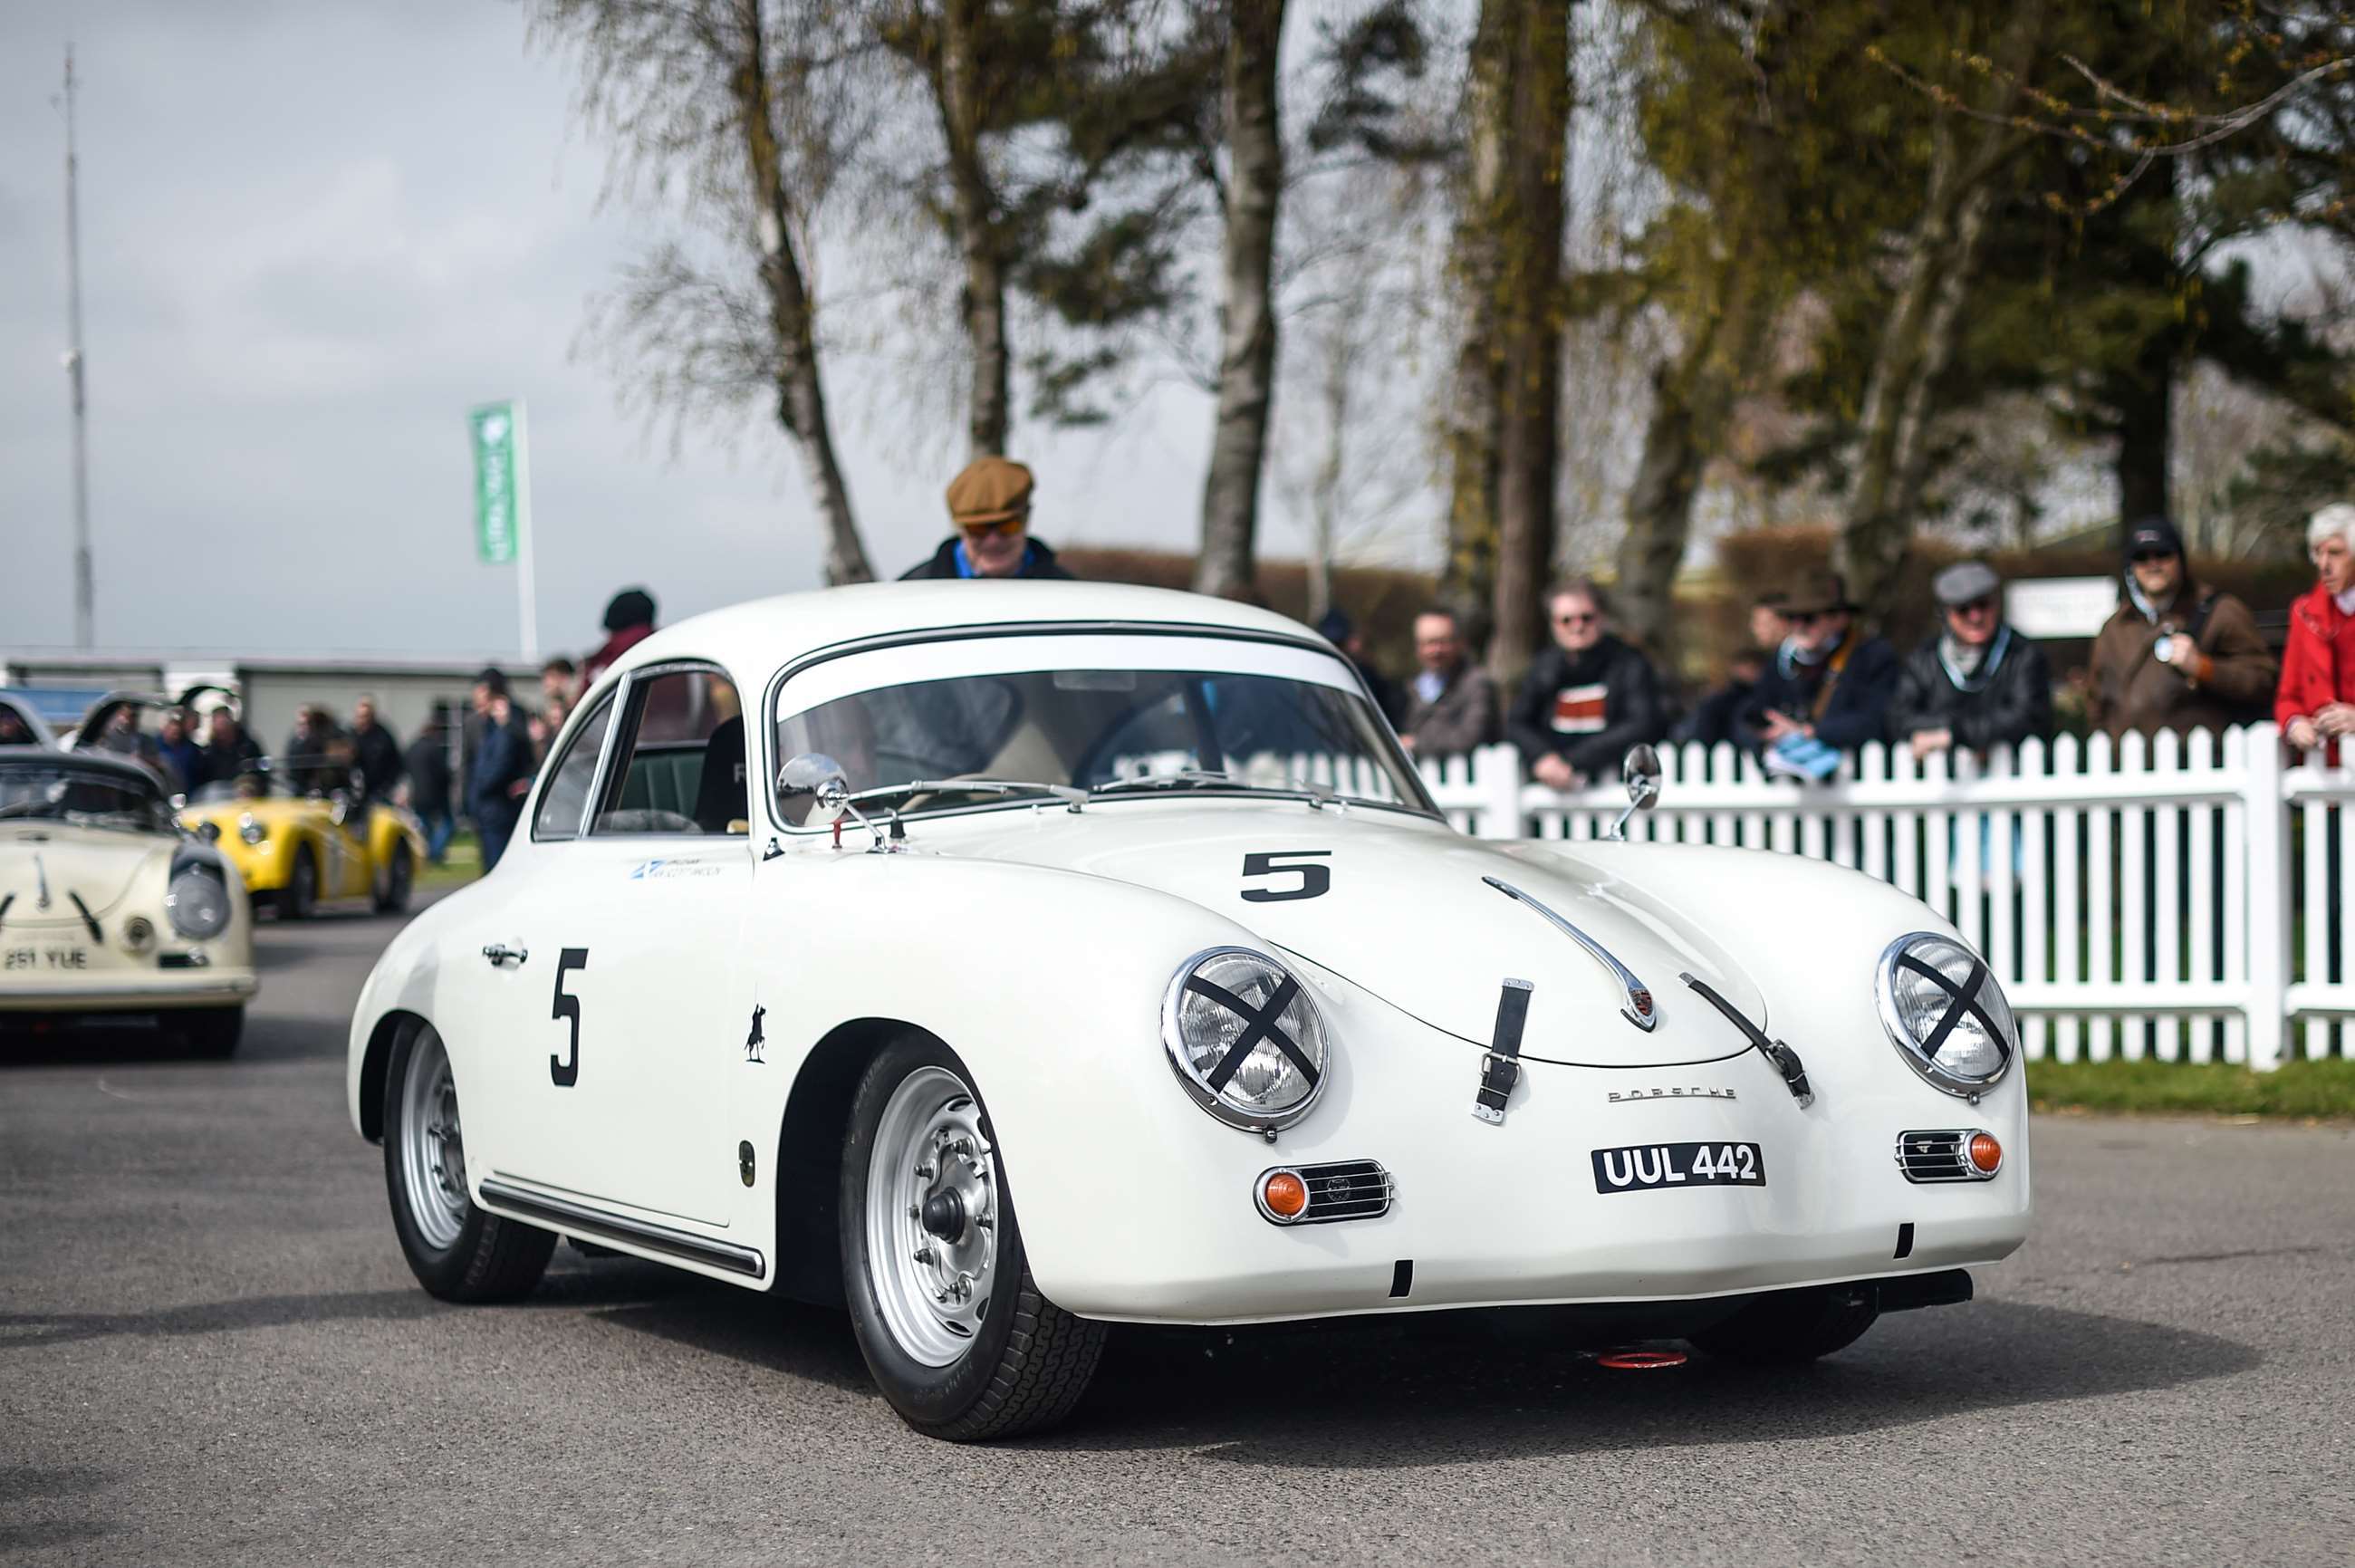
(2187, 899)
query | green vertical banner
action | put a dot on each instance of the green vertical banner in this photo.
(498, 449)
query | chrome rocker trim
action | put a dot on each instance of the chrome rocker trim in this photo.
(576, 1217)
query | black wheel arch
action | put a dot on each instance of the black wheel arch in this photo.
(388, 1032)
(808, 1155)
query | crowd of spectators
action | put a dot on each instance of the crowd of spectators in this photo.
(1816, 684)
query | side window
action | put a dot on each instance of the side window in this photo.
(568, 786)
(681, 765)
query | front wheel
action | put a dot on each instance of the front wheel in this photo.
(1793, 1326)
(456, 1250)
(942, 1300)
(300, 893)
(399, 877)
(212, 1031)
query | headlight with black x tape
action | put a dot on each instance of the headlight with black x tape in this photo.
(1244, 1038)
(1944, 1013)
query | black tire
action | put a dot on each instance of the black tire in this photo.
(299, 896)
(490, 1258)
(1791, 1326)
(210, 1032)
(400, 876)
(1031, 1361)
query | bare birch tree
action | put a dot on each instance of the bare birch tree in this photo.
(1254, 184)
(735, 105)
(1941, 259)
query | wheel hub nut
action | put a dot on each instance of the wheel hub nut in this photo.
(943, 1214)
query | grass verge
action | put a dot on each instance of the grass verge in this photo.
(461, 863)
(2323, 1088)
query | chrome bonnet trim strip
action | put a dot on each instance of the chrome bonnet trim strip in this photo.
(1638, 1008)
(579, 1218)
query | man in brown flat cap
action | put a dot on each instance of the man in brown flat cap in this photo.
(989, 505)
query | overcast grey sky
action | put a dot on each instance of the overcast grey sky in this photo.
(312, 235)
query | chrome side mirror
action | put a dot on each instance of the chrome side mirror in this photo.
(812, 780)
(1641, 771)
(340, 807)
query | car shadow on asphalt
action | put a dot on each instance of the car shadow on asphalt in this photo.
(1446, 1387)
(1470, 1386)
(760, 1329)
(31, 1330)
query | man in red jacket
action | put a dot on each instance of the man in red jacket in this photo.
(2316, 704)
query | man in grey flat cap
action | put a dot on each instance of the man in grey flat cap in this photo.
(1977, 684)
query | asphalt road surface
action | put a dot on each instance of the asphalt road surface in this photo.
(210, 1350)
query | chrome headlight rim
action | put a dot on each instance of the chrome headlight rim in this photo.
(252, 829)
(1244, 1119)
(1982, 981)
(176, 904)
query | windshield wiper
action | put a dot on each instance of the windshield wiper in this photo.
(1318, 795)
(1075, 799)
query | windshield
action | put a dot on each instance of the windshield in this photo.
(276, 777)
(1104, 711)
(84, 797)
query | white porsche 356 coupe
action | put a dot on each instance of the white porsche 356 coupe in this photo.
(1009, 959)
(108, 909)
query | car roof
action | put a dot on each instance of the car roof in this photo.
(95, 762)
(754, 639)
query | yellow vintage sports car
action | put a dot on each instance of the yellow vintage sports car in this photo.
(107, 908)
(295, 840)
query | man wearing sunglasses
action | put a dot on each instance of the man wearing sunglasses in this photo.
(1586, 700)
(1828, 682)
(2177, 654)
(1977, 684)
(989, 509)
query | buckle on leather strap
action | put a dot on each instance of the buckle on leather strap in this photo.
(1500, 1067)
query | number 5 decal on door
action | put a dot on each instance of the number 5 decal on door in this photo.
(565, 1070)
(1315, 878)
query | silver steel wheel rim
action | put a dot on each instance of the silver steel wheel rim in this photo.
(933, 1288)
(433, 1149)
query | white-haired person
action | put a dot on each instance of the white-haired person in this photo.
(2315, 703)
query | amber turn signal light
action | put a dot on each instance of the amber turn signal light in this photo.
(1987, 1155)
(1283, 1196)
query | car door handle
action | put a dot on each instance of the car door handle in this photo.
(499, 953)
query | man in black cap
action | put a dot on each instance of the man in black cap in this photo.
(1336, 627)
(1976, 685)
(629, 621)
(1828, 682)
(2179, 655)
(989, 508)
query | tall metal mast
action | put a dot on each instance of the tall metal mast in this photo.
(85, 591)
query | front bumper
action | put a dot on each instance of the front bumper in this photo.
(1505, 1215)
(131, 991)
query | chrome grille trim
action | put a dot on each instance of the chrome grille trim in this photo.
(1932, 1156)
(1344, 1189)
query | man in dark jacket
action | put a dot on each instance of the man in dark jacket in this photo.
(502, 768)
(1827, 681)
(427, 764)
(1451, 703)
(990, 507)
(1586, 699)
(183, 758)
(2177, 654)
(229, 752)
(375, 754)
(1336, 628)
(1718, 716)
(1978, 683)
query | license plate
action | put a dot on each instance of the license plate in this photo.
(1646, 1166)
(49, 959)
